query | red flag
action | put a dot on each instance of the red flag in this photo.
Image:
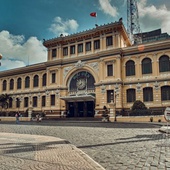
(93, 14)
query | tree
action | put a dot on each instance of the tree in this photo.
(138, 105)
(4, 99)
(139, 109)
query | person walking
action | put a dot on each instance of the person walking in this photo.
(17, 118)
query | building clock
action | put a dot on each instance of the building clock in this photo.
(81, 84)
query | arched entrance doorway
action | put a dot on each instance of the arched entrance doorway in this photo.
(80, 100)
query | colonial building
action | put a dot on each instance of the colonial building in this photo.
(84, 69)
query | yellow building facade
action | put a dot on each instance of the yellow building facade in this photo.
(85, 69)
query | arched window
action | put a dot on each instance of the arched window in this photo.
(4, 85)
(164, 63)
(27, 82)
(36, 81)
(147, 94)
(19, 83)
(165, 93)
(82, 81)
(131, 95)
(130, 68)
(44, 80)
(11, 84)
(146, 66)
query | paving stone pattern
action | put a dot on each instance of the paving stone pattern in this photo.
(115, 146)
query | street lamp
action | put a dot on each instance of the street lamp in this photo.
(115, 103)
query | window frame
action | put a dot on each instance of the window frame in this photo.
(165, 93)
(130, 95)
(108, 93)
(11, 84)
(130, 68)
(110, 69)
(36, 81)
(27, 82)
(19, 83)
(88, 46)
(52, 100)
(109, 41)
(148, 94)
(54, 53)
(26, 101)
(53, 77)
(146, 66)
(72, 49)
(65, 51)
(44, 79)
(164, 63)
(35, 101)
(43, 101)
(80, 48)
(4, 85)
(96, 44)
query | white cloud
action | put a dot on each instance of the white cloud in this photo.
(107, 8)
(16, 51)
(153, 17)
(60, 26)
(10, 64)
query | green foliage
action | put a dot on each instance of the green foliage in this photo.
(4, 99)
(139, 109)
(138, 105)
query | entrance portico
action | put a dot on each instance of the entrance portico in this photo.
(80, 106)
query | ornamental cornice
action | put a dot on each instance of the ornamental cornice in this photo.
(94, 66)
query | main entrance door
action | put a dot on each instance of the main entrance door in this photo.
(81, 109)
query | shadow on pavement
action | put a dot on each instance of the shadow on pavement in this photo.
(96, 124)
(137, 138)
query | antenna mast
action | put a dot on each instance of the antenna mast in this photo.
(133, 27)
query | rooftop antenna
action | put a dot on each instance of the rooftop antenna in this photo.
(133, 27)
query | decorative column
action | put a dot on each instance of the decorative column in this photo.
(30, 108)
(112, 107)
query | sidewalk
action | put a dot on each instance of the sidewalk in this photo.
(29, 152)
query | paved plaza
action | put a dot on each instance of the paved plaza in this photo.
(138, 146)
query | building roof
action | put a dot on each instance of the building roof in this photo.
(152, 36)
(87, 34)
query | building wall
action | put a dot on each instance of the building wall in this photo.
(95, 62)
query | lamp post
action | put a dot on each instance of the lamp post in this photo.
(115, 103)
(112, 107)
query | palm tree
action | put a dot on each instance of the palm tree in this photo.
(4, 99)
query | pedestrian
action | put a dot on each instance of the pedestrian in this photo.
(105, 114)
(38, 117)
(17, 118)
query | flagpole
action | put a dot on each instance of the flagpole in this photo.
(94, 14)
(96, 18)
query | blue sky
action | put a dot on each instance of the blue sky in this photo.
(25, 23)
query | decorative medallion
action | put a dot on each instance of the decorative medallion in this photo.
(138, 86)
(81, 83)
(156, 85)
(79, 64)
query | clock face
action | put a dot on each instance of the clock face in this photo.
(81, 84)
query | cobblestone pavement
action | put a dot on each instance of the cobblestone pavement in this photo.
(138, 146)
(36, 152)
